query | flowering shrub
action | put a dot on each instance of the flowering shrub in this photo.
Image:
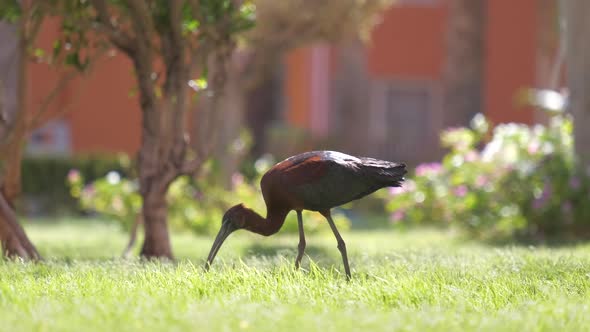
(514, 180)
(43, 187)
(196, 205)
(112, 196)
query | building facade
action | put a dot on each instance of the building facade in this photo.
(382, 99)
(385, 99)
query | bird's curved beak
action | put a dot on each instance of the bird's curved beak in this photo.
(225, 230)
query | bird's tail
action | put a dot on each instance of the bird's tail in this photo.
(388, 173)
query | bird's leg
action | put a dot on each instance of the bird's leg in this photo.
(301, 246)
(341, 244)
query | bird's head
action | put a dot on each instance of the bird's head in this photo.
(233, 219)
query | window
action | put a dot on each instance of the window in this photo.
(51, 139)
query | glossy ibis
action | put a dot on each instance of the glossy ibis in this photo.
(315, 181)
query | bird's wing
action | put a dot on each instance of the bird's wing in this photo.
(323, 184)
(304, 172)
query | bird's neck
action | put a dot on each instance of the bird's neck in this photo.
(265, 226)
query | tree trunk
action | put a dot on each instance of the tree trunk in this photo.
(163, 147)
(351, 125)
(157, 170)
(463, 73)
(15, 242)
(164, 143)
(157, 239)
(261, 112)
(234, 107)
(11, 172)
(578, 73)
(133, 235)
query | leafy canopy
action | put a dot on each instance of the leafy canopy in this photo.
(84, 27)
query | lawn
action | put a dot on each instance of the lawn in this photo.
(402, 281)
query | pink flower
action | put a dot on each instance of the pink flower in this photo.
(481, 181)
(453, 130)
(88, 191)
(533, 147)
(398, 216)
(407, 186)
(198, 195)
(74, 176)
(575, 183)
(461, 191)
(471, 156)
(236, 179)
(428, 169)
(541, 201)
(393, 191)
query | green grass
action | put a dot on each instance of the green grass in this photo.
(410, 281)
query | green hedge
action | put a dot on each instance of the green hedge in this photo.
(44, 179)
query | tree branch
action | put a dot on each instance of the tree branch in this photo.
(204, 29)
(142, 21)
(40, 116)
(173, 49)
(177, 78)
(176, 23)
(210, 120)
(7, 213)
(31, 34)
(133, 234)
(143, 26)
(196, 11)
(191, 166)
(3, 118)
(118, 37)
(238, 3)
(57, 88)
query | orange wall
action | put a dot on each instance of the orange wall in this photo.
(409, 43)
(101, 115)
(392, 52)
(106, 118)
(510, 58)
(42, 78)
(298, 66)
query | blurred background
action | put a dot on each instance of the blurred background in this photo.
(382, 96)
(385, 80)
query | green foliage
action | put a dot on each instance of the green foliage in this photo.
(197, 205)
(421, 281)
(114, 197)
(522, 182)
(10, 11)
(79, 20)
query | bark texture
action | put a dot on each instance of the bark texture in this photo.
(14, 129)
(464, 70)
(157, 239)
(578, 73)
(15, 242)
(164, 153)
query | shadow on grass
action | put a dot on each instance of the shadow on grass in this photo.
(273, 250)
